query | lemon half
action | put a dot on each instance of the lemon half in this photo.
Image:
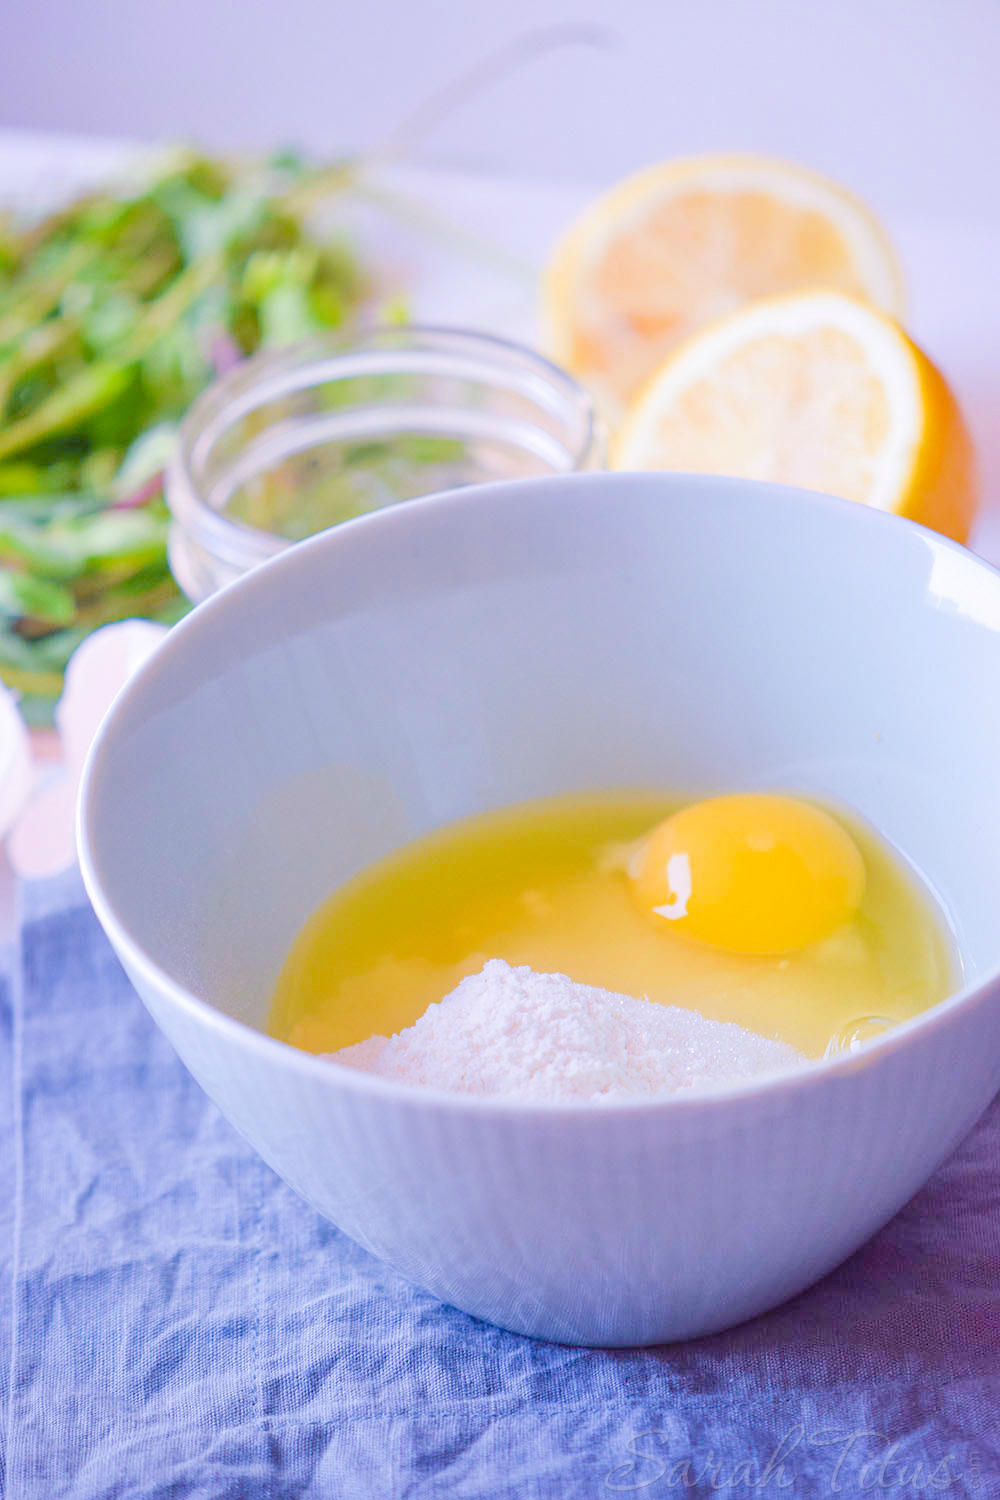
(680, 244)
(814, 389)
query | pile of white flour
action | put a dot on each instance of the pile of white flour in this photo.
(543, 1036)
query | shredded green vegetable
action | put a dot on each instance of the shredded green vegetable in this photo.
(114, 314)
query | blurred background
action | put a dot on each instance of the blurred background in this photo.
(485, 130)
(898, 98)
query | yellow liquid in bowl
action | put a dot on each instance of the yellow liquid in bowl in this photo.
(545, 884)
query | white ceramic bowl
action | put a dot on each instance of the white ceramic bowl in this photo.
(478, 648)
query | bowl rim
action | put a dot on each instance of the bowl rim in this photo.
(264, 377)
(316, 1066)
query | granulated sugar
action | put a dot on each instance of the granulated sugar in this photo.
(511, 1031)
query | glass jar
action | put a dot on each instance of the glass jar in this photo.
(291, 442)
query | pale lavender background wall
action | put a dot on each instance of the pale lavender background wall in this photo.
(898, 97)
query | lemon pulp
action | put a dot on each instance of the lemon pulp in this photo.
(678, 244)
(815, 390)
(547, 884)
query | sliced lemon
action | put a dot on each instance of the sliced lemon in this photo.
(814, 389)
(680, 244)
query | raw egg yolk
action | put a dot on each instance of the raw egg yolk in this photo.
(749, 873)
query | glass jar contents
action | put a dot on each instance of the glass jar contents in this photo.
(291, 443)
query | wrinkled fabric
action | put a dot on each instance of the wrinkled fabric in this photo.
(8, 1199)
(175, 1322)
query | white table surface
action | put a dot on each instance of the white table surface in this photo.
(468, 248)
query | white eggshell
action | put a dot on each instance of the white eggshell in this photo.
(16, 768)
(96, 672)
(43, 840)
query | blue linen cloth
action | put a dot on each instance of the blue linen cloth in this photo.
(179, 1324)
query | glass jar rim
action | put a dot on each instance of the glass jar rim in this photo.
(275, 373)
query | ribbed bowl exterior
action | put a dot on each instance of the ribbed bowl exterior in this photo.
(604, 1225)
(627, 1226)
